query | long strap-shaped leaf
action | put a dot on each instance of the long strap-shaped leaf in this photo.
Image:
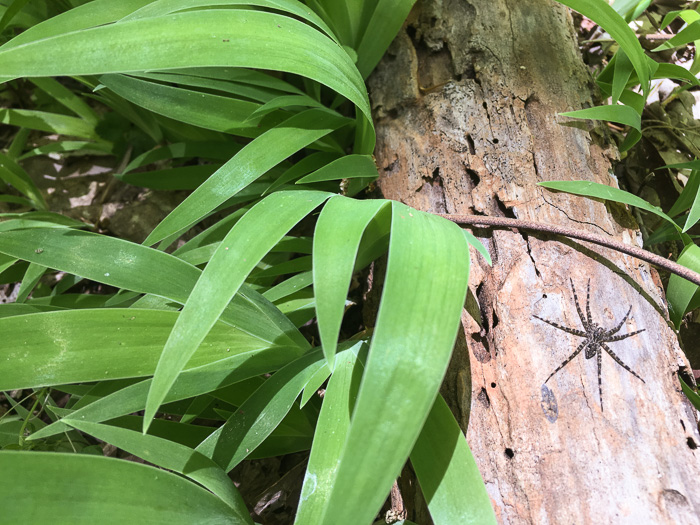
(260, 414)
(163, 7)
(92, 14)
(84, 490)
(329, 438)
(189, 383)
(73, 346)
(447, 472)
(135, 267)
(255, 159)
(601, 13)
(247, 243)
(220, 113)
(172, 456)
(411, 347)
(222, 37)
(336, 241)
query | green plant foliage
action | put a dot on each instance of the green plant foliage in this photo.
(259, 107)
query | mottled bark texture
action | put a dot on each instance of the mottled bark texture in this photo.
(466, 103)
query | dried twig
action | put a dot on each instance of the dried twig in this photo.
(518, 224)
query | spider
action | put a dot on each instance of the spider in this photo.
(596, 337)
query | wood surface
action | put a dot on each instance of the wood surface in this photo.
(466, 103)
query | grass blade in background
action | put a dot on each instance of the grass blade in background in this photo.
(190, 383)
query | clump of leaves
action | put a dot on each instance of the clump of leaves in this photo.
(271, 93)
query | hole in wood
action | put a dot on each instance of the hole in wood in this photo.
(510, 453)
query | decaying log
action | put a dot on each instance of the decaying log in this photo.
(466, 103)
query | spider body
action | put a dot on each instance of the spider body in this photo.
(595, 339)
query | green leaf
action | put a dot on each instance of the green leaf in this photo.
(349, 166)
(447, 473)
(226, 114)
(690, 393)
(253, 235)
(10, 12)
(83, 489)
(621, 114)
(226, 37)
(164, 7)
(71, 346)
(385, 22)
(91, 14)
(181, 178)
(190, 383)
(415, 331)
(67, 98)
(623, 70)
(260, 414)
(256, 158)
(171, 456)
(687, 35)
(49, 122)
(337, 239)
(141, 269)
(601, 191)
(476, 243)
(13, 174)
(679, 291)
(605, 16)
(330, 435)
(31, 278)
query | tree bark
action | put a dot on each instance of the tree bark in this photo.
(466, 103)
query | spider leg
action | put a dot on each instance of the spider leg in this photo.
(617, 328)
(619, 362)
(568, 359)
(588, 303)
(578, 307)
(623, 336)
(564, 328)
(600, 382)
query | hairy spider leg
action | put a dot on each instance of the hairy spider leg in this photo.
(617, 328)
(563, 328)
(600, 381)
(623, 336)
(619, 362)
(588, 302)
(578, 308)
(568, 359)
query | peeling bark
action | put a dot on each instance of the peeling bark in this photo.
(466, 103)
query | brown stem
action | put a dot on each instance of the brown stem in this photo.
(518, 224)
